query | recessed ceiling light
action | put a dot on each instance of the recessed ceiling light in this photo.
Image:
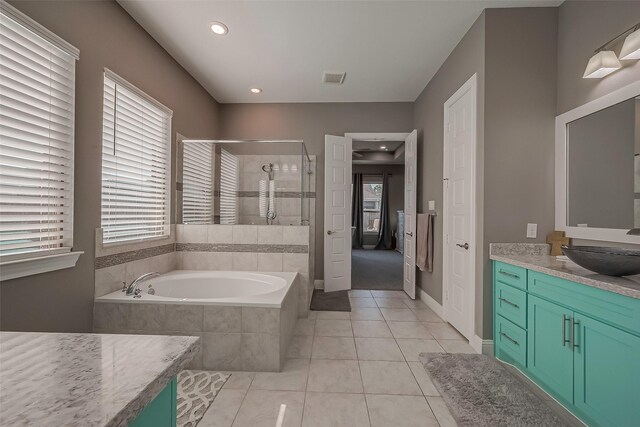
(219, 28)
(255, 90)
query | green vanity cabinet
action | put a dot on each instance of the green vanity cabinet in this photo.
(161, 412)
(582, 343)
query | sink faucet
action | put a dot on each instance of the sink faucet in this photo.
(132, 289)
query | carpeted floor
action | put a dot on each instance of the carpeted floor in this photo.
(373, 269)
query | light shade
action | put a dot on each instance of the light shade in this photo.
(601, 64)
(631, 46)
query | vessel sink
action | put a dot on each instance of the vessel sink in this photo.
(609, 261)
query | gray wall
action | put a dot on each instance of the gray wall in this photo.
(584, 26)
(311, 122)
(396, 192)
(107, 37)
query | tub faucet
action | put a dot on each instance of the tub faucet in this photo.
(132, 289)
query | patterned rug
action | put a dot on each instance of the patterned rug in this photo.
(196, 392)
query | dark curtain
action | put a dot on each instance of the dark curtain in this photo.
(356, 212)
(384, 232)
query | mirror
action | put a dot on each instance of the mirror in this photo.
(603, 168)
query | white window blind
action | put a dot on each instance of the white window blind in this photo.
(37, 89)
(136, 149)
(228, 188)
(197, 183)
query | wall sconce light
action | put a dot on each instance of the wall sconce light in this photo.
(605, 61)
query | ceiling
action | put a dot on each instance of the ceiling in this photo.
(389, 49)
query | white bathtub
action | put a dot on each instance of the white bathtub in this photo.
(234, 288)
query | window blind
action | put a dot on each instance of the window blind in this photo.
(136, 148)
(228, 188)
(37, 89)
(197, 182)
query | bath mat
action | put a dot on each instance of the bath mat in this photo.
(330, 301)
(479, 391)
(196, 392)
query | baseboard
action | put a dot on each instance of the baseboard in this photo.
(431, 303)
(318, 284)
(482, 346)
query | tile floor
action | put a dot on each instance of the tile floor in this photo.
(348, 369)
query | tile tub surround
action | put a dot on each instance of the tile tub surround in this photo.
(628, 286)
(238, 338)
(249, 248)
(85, 379)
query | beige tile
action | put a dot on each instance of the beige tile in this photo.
(359, 293)
(363, 302)
(360, 313)
(378, 349)
(370, 329)
(193, 234)
(270, 234)
(399, 411)
(260, 408)
(261, 320)
(296, 263)
(220, 233)
(223, 410)
(239, 380)
(411, 348)
(147, 317)
(300, 347)
(183, 318)
(305, 327)
(245, 261)
(338, 315)
(269, 262)
(426, 315)
(295, 235)
(260, 352)
(409, 330)
(335, 410)
(245, 234)
(414, 303)
(333, 348)
(333, 328)
(109, 279)
(443, 331)
(423, 379)
(388, 294)
(388, 378)
(219, 318)
(135, 269)
(441, 411)
(163, 263)
(312, 314)
(390, 303)
(457, 346)
(207, 261)
(293, 377)
(221, 351)
(338, 376)
(398, 314)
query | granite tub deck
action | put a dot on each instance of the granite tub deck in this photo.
(533, 257)
(85, 379)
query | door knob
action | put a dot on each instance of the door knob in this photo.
(410, 234)
(330, 232)
(465, 246)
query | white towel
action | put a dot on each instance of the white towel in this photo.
(262, 197)
(272, 196)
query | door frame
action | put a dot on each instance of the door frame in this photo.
(469, 85)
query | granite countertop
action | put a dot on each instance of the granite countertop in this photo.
(50, 379)
(566, 269)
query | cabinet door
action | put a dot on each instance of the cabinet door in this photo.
(607, 373)
(550, 359)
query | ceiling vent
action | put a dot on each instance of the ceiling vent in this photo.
(333, 78)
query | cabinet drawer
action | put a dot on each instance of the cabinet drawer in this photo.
(511, 275)
(511, 341)
(511, 303)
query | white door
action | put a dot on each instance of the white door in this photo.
(410, 200)
(459, 210)
(337, 213)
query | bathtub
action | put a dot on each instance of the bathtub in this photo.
(245, 319)
(234, 288)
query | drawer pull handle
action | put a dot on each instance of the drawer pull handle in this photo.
(564, 330)
(509, 302)
(509, 338)
(574, 323)
(507, 273)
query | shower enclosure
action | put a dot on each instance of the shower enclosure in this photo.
(263, 182)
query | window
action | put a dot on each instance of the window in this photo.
(228, 188)
(136, 149)
(37, 98)
(372, 199)
(197, 183)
